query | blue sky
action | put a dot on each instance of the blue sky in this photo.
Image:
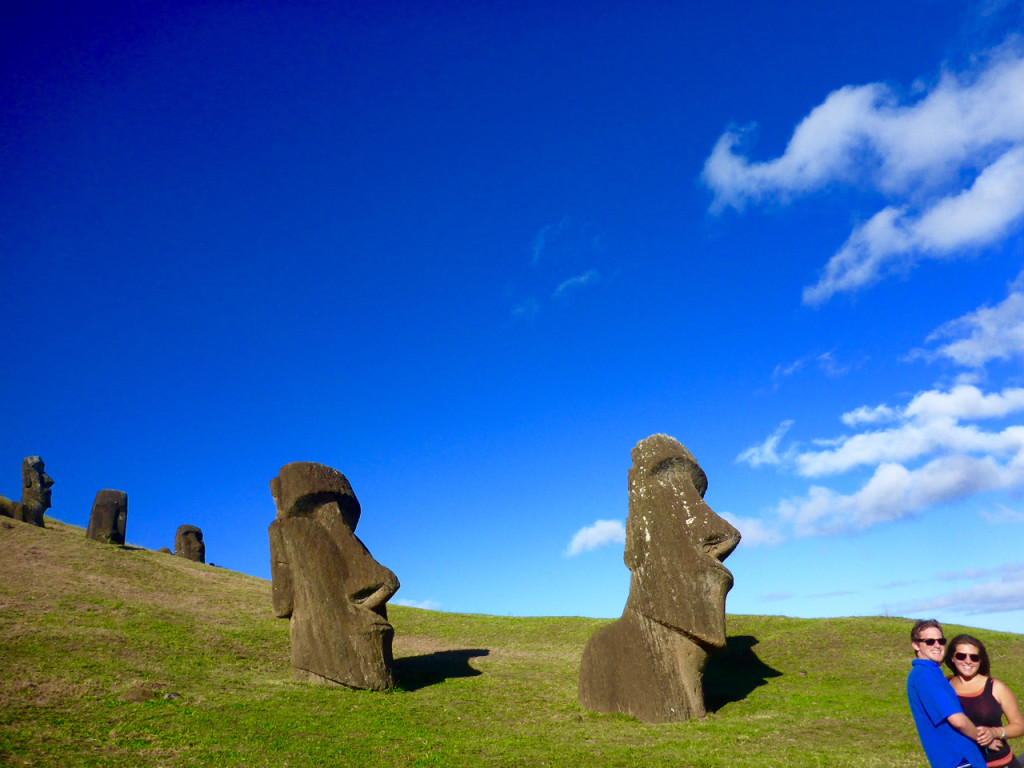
(470, 254)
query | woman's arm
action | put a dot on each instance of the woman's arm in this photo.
(1006, 699)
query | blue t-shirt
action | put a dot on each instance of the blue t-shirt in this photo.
(932, 700)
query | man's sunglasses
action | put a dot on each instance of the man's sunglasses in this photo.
(972, 656)
(932, 640)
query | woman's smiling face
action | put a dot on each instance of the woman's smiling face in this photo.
(966, 658)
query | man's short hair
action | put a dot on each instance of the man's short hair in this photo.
(920, 625)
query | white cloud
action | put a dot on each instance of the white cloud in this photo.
(934, 453)
(590, 276)
(929, 424)
(773, 596)
(782, 371)
(526, 310)
(965, 402)
(951, 163)
(427, 605)
(893, 239)
(866, 415)
(601, 534)
(892, 493)
(765, 453)
(988, 333)
(544, 236)
(827, 362)
(989, 597)
(1002, 514)
(755, 532)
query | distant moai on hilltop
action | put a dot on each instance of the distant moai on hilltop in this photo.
(188, 543)
(109, 517)
(327, 583)
(35, 493)
(649, 663)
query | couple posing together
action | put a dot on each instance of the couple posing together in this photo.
(960, 720)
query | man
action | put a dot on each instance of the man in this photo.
(946, 733)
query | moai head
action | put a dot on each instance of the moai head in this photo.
(188, 543)
(675, 543)
(109, 517)
(308, 489)
(35, 491)
(327, 582)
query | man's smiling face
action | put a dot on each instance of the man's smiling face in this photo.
(930, 644)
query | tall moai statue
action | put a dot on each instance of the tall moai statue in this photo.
(327, 583)
(35, 493)
(649, 663)
(109, 517)
(188, 543)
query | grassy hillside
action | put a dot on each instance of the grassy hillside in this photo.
(118, 656)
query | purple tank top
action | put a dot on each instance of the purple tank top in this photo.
(983, 709)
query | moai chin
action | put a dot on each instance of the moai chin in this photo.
(327, 583)
(35, 493)
(648, 664)
(188, 543)
(109, 517)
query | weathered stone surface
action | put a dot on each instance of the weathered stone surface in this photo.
(188, 543)
(35, 493)
(109, 517)
(649, 663)
(165, 551)
(327, 583)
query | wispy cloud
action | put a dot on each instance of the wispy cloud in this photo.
(526, 310)
(775, 596)
(766, 452)
(935, 452)
(984, 335)
(557, 249)
(999, 595)
(1002, 514)
(544, 236)
(755, 532)
(869, 415)
(826, 362)
(590, 276)
(601, 534)
(428, 605)
(951, 162)
(931, 423)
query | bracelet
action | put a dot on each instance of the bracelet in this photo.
(1003, 737)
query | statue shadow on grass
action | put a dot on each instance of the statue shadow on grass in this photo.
(733, 673)
(414, 672)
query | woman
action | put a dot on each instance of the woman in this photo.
(985, 700)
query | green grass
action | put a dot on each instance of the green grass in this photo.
(93, 636)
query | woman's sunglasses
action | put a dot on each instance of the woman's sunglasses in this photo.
(972, 656)
(932, 640)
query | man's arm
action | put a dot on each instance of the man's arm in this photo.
(963, 724)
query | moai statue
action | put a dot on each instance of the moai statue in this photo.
(35, 493)
(648, 664)
(188, 543)
(327, 583)
(109, 517)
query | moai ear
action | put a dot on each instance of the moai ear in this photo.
(275, 491)
(634, 552)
